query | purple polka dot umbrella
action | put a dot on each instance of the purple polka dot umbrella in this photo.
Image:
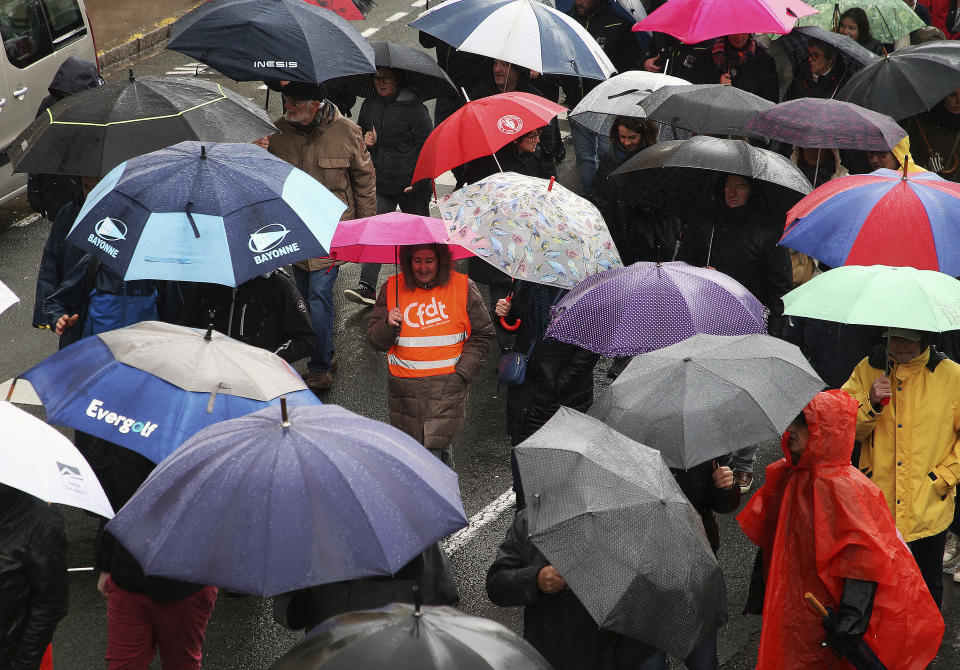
(648, 306)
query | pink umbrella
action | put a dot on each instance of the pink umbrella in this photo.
(693, 21)
(374, 239)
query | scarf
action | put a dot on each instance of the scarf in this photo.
(724, 54)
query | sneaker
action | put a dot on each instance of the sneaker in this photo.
(951, 555)
(362, 295)
(319, 381)
(743, 479)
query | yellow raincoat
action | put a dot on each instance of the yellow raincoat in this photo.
(910, 448)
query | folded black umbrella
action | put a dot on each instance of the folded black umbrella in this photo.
(420, 72)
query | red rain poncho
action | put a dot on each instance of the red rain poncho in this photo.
(820, 522)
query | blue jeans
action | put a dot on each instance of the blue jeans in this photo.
(316, 288)
(703, 657)
(589, 148)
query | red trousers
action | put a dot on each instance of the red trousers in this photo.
(139, 627)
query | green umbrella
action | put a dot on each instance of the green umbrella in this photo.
(889, 19)
(880, 295)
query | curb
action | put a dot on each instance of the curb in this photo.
(140, 42)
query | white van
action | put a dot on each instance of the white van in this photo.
(38, 35)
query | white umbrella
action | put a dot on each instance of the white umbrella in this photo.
(7, 297)
(19, 391)
(619, 96)
(38, 460)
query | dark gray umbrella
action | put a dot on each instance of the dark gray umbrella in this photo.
(608, 514)
(401, 636)
(704, 108)
(794, 46)
(91, 132)
(688, 173)
(619, 96)
(709, 395)
(420, 72)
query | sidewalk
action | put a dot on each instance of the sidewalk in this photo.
(123, 30)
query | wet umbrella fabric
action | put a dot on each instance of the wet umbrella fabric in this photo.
(607, 512)
(822, 123)
(374, 239)
(292, 40)
(419, 71)
(693, 21)
(183, 383)
(794, 46)
(39, 460)
(880, 219)
(217, 213)
(325, 497)
(526, 33)
(909, 81)
(648, 306)
(704, 108)
(879, 295)
(619, 96)
(889, 19)
(402, 636)
(709, 395)
(93, 131)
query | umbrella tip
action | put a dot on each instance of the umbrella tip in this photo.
(209, 334)
(687, 359)
(203, 151)
(130, 71)
(283, 412)
(552, 179)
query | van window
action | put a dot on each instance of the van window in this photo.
(65, 18)
(23, 26)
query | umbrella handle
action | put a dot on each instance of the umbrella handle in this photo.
(815, 604)
(503, 322)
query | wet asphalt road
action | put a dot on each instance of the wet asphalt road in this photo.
(242, 634)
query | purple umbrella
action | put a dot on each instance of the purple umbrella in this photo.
(648, 306)
(265, 505)
(822, 123)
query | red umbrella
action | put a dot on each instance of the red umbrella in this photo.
(693, 21)
(351, 11)
(481, 127)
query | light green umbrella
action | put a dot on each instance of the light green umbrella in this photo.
(889, 19)
(880, 295)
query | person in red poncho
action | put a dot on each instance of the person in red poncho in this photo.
(823, 527)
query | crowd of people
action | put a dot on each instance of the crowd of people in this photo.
(876, 556)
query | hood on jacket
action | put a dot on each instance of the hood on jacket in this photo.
(444, 260)
(74, 75)
(901, 150)
(832, 422)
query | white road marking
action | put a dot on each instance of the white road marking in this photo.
(484, 517)
(419, 3)
(26, 221)
(396, 17)
(369, 31)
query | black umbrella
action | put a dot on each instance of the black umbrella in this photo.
(254, 40)
(404, 636)
(420, 72)
(794, 46)
(704, 108)
(908, 81)
(688, 173)
(91, 132)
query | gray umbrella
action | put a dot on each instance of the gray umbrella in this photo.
(709, 395)
(704, 108)
(607, 513)
(420, 72)
(620, 96)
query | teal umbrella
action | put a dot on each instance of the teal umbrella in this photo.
(889, 19)
(880, 295)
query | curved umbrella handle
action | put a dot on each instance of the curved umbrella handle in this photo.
(503, 322)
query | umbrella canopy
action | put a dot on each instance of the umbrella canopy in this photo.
(880, 218)
(648, 306)
(693, 21)
(704, 108)
(908, 81)
(374, 239)
(523, 32)
(321, 496)
(879, 295)
(420, 72)
(619, 96)
(480, 128)
(794, 46)
(292, 40)
(184, 378)
(351, 10)
(217, 213)
(37, 459)
(689, 172)
(530, 229)
(606, 511)
(822, 123)
(628, 9)
(889, 19)
(709, 395)
(404, 636)
(7, 298)
(93, 131)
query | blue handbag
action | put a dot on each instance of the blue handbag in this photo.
(512, 367)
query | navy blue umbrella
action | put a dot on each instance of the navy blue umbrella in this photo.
(250, 40)
(266, 503)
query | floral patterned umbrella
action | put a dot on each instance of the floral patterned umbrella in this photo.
(530, 229)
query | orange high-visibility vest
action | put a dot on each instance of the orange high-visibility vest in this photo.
(434, 327)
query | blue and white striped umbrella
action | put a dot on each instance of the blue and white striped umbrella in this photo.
(523, 32)
(205, 212)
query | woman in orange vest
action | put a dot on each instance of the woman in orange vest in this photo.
(434, 326)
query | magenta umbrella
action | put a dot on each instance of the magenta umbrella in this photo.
(374, 239)
(693, 21)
